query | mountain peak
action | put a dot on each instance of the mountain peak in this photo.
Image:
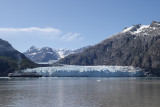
(33, 47)
(155, 24)
(46, 49)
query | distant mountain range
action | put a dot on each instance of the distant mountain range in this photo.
(138, 45)
(46, 54)
(11, 59)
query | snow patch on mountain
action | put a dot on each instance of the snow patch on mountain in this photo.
(142, 27)
(127, 29)
(61, 54)
(136, 29)
(33, 53)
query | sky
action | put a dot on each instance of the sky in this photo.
(70, 24)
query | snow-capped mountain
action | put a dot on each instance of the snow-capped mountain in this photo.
(41, 55)
(46, 54)
(63, 52)
(138, 46)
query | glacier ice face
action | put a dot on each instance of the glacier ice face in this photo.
(88, 71)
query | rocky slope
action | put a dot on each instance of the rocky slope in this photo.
(11, 59)
(138, 46)
(46, 53)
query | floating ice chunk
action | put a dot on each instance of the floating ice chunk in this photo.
(98, 80)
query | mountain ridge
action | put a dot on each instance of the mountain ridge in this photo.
(12, 60)
(136, 46)
(46, 54)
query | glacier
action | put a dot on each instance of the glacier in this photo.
(88, 71)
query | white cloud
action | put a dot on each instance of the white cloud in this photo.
(23, 38)
(71, 37)
(30, 29)
(46, 33)
(40, 33)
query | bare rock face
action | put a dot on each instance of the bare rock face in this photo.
(138, 46)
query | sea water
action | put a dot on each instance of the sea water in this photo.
(80, 92)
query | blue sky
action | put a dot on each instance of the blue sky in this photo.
(70, 24)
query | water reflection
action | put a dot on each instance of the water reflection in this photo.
(79, 92)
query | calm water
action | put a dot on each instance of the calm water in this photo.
(79, 92)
